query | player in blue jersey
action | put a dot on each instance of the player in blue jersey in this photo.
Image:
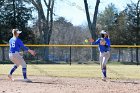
(15, 45)
(104, 49)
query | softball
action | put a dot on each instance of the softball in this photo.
(86, 41)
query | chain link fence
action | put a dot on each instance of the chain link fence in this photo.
(79, 54)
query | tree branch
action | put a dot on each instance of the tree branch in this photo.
(35, 4)
(46, 4)
(96, 11)
(95, 19)
(87, 13)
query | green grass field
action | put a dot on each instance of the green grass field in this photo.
(81, 71)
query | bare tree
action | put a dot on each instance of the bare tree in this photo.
(45, 23)
(92, 25)
(137, 31)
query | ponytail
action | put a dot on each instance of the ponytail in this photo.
(14, 32)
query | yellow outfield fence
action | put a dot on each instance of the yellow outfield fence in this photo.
(60, 45)
(73, 53)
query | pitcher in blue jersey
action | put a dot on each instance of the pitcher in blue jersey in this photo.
(104, 49)
(15, 45)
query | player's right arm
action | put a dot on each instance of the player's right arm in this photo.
(94, 43)
(22, 45)
(32, 52)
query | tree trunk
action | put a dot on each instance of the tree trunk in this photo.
(45, 23)
(46, 41)
(48, 26)
(137, 56)
(14, 18)
(3, 54)
(131, 51)
(92, 26)
(137, 32)
(51, 20)
(119, 55)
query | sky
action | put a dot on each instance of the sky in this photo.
(73, 10)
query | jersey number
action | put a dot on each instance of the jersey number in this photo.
(13, 44)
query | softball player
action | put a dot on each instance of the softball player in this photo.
(104, 49)
(15, 44)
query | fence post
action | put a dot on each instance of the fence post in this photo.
(3, 54)
(137, 56)
(70, 55)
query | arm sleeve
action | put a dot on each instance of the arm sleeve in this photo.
(22, 45)
(96, 42)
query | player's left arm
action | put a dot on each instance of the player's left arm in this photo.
(107, 42)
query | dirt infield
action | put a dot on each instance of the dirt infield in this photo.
(68, 85)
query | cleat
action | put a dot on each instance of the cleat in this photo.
(104, 79)
(27, 80)
(10, 77)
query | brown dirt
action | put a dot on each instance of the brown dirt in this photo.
(42, 84)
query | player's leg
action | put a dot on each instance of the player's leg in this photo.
(12, 57)
(23, 64)
(104, 71)
(102, 65)
(101, 59)
(13, 69)
(105, 60)
(24, 68)
(24, 71)
(107, 56)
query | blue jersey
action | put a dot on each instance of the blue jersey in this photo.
(103, 48)
(16, 44)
